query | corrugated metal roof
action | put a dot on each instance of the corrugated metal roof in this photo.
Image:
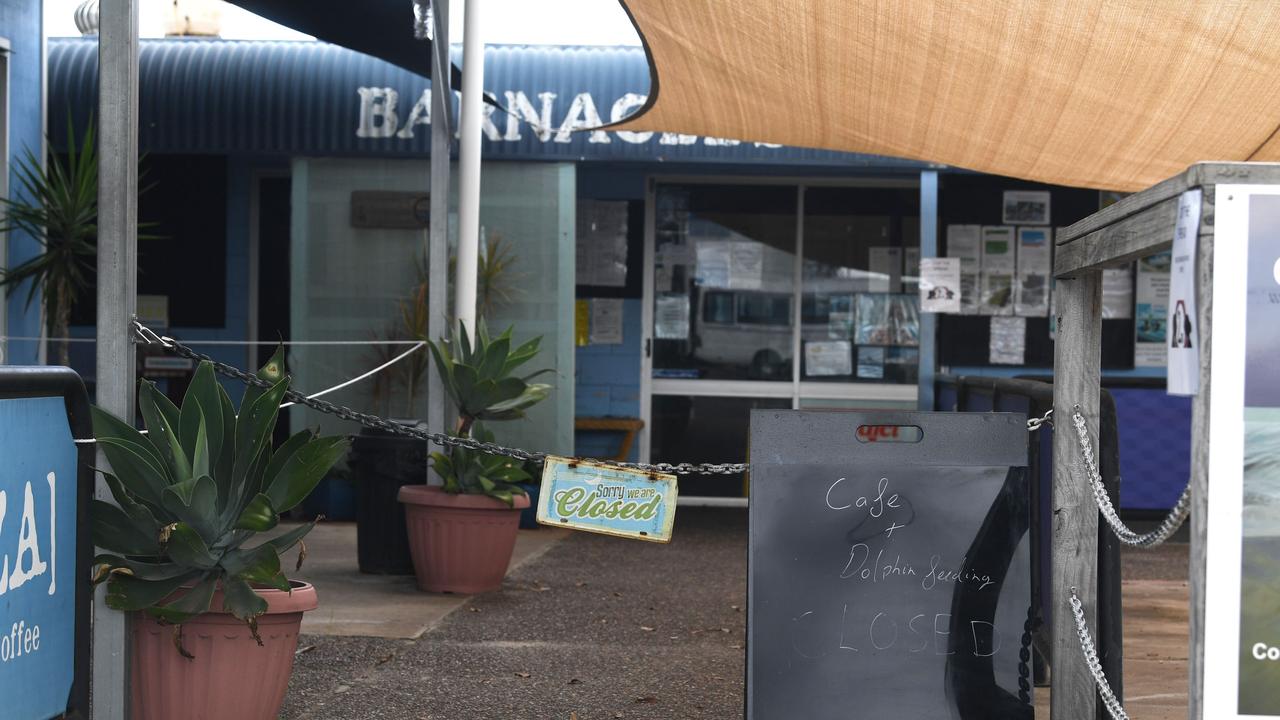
(311, 98)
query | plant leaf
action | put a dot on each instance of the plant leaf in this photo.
(239, 599)
(133, 464)
(114, 530)
(253, 432)
(284, 541)
(194, 502)
(189, 604)
(141, 515)
(127, 593)
(260, 565)
(202, 402)
(303, 470)
(162, 418)
(143, 570)
(258, 515)
(272, 372)
(186, 547)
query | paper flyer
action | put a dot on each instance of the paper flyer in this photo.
(1026, 207)
(871, 363)
(601, 244)
(885, 265)
(714, 257)
(827, 358)
(671, 317)
(964, 243)
(746, 265)
(998, 268)
(581, 322)
(1008, 341)
(1183, 327)
(1151, 311)
(606, 321)
(1117, 293)
(1035, 265)
(940, 285)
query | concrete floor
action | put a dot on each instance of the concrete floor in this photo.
(380, 606)
(591, 627)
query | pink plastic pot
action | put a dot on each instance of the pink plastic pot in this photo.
(460, 543)
(231, 677)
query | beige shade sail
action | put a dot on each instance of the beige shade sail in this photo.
(1107, 94)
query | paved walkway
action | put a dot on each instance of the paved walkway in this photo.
(591, 627)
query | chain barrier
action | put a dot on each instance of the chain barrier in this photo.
(1167, 527)
(1114, 708)
(420, 432)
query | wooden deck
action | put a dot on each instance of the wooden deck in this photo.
(1156, 627)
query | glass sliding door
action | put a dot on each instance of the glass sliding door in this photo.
(772, 295)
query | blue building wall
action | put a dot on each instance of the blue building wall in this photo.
(22, 24)
(608, 384)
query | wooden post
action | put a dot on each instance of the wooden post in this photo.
(1200, 456)
(1076, 381)
(117, 299)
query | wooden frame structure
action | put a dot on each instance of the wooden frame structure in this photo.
(1137, 226)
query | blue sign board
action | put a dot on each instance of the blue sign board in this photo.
(607, 499)
(42, 593)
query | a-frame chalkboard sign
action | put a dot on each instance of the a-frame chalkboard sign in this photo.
(889, 566)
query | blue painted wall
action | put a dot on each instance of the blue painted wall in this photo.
(22, 24)
(608, 384)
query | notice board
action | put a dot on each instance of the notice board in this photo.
(889, 566)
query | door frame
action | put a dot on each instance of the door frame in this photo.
(796, 388)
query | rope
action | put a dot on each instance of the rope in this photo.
(1167, 527)
(1114, 708)
(357, 379)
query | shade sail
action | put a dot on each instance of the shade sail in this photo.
(1094, 93)
(381, 28)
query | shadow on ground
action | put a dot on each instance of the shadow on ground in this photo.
(597, 627)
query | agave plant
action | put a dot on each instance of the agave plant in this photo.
(192, 492)
(479, 378)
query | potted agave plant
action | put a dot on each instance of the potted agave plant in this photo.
(462, 533)
(215, 620)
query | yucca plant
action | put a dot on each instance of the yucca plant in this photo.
(192, 492)
(479, 378)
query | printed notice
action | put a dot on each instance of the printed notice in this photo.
(671, 317)
(964, 243)
(1035, 264)
(1151, 307)
(1008, 341)
(828, 358)
(606, 321)
(998, 268)
(1184, 345)
(940, 285)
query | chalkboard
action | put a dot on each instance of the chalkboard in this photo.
(889, 566)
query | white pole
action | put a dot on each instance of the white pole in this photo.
(464, 293)
(117, 298)
(438, 233)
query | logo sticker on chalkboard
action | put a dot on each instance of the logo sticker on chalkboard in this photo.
(606, 499)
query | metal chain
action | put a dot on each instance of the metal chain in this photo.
(1167, 527)
(420, 431)
(1034, 424)
(1114, 708)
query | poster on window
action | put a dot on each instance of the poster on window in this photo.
(1035, 265)
(999, 265)
(964, 242)
(1242, 583)
(1151, 311)
(601, 244)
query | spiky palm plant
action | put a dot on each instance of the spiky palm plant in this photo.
(58, 206)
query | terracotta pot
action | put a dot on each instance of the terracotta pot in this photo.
(459, 543)
(231, 677)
